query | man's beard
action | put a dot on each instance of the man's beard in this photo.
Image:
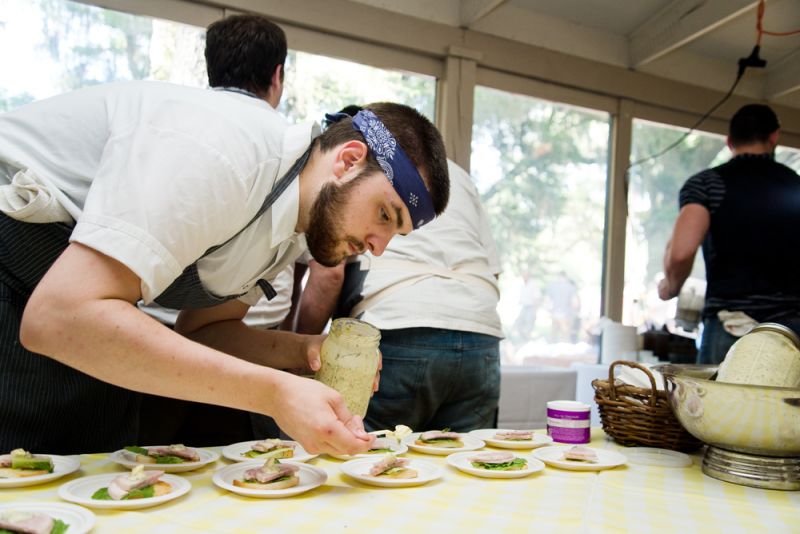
(325, 235)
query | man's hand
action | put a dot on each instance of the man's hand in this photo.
(664, 291)
(313, 347)
(316, 416)
(377, 382)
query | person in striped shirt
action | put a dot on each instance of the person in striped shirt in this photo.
(745, 213)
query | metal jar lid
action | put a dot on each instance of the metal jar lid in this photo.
(780, 329)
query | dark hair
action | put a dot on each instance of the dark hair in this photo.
(243, 51)
(418, 137)
(753, 123)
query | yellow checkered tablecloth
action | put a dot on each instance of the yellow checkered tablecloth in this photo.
(632, 498)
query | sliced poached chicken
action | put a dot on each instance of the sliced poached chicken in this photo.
(493, 457)
(271, 444)
(581, 454)
(180, 451)
(437, 434)
(520, 435)
(270, 471)
(26, 522)
(137, 478)
(390, 461)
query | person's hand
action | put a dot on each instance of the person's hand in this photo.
(316, 416)
(377, 382)
(312, 348)
(664, 291)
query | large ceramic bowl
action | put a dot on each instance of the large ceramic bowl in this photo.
(751, 419)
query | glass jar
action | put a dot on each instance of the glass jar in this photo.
(768, 355)
(349, 360)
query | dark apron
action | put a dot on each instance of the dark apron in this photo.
(46, 406)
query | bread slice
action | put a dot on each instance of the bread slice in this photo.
(282, 452)
(286, 482)
(399, 472)
(8, 472)
(159, 488)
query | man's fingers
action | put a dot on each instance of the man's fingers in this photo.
(356, 426)
(349, 431)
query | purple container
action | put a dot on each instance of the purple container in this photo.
(568, 421)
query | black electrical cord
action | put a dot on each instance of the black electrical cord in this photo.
(753, 60)
(694, 126)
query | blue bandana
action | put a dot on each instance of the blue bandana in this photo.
(395, 163)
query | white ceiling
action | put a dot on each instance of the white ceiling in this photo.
(693, 41)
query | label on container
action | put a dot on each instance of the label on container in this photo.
(568, 426)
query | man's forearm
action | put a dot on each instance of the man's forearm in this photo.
(691, 227)
(273, 348)
(113, 341)
(676, 271)
(319, 298)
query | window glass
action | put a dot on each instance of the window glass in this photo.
(59, 46)
(653, 190)
(316, 85)
(541, 169)
(789, 157)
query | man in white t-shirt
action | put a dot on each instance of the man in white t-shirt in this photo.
(433, 294)
(194, 199)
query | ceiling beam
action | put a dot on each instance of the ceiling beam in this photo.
(472, 11)
(681, 22)
(783, 77)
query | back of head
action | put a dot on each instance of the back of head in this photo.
(753, 123)
(243, 51)
(418, 137)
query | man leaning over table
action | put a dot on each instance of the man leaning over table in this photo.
(434, 296)
(190, 198)
(746, 215)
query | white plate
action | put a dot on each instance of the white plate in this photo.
(487, 435)
(359, 470)
(310, 477)
(80, 491)
(125, 458)
(397, 449)
(62, 465)
(80, 520)
(554, 456)
(460, 461)
(234, 452)
(471, 443)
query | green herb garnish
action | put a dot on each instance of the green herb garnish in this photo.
(515, 464)
(141, 493)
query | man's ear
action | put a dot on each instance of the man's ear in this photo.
(349, 156)
(729, 143)
(773, 138)
(276, 87)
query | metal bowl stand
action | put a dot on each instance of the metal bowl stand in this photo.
(768, 472)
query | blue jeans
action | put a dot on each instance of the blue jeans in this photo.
(434, 378)
(716, 342)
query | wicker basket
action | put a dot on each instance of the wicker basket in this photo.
(639, 416)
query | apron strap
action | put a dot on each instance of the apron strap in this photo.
(279, 188)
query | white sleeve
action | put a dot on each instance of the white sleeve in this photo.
(161, 198)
